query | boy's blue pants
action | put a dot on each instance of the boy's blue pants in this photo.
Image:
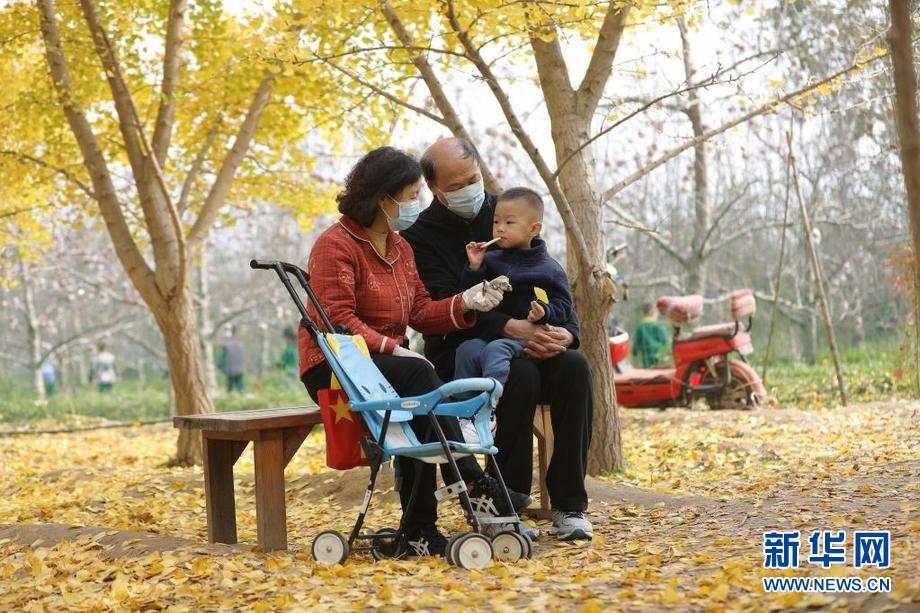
(478, 358)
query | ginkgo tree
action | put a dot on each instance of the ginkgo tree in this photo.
(393, 42)
(157, 117)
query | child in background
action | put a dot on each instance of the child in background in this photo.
(650, 337)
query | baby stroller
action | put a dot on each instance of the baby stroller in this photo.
(386, 417)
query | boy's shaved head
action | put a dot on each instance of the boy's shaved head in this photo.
(532, 198)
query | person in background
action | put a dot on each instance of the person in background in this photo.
(650, 337)
(49, 377)
(104, 372)
(289, 361)
(232, 361)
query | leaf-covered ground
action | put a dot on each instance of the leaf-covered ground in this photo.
(92, 520)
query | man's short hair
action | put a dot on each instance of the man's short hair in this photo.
(467, 150)
(532, 198)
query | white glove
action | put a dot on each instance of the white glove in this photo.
(482, 298)
(402, 352)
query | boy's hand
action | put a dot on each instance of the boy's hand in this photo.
(537, 312)
(475, 253)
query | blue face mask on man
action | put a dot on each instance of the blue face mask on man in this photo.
(408, 214)
(466, 201)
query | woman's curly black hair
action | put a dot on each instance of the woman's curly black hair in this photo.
(385, 171)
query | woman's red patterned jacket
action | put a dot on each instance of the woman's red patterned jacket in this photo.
(374, 296)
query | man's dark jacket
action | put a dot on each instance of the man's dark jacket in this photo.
(439, 240)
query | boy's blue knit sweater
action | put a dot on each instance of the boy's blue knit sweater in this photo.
(526, 269)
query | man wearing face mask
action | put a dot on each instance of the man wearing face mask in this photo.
(552, 372)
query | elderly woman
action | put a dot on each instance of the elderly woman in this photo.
(364, 275)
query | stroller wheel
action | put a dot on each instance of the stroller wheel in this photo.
(449, 550)
(385, 548)
(509, 546)
(471, 551)
(330, 547)
(529, 551)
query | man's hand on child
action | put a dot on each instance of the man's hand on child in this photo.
(537, 312)
(475, 253)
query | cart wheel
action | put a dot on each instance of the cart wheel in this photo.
(330, 547)
(471, 551)
(509, 546)
(385, 549)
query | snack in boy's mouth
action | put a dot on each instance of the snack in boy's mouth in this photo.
(494, 240)
(502, 283)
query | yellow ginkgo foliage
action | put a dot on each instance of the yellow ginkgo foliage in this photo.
(162, 117)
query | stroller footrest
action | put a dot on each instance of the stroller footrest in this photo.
(491, 519)
(449, 490)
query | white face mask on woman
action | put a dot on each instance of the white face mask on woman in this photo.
(408, 214)
(466, 201)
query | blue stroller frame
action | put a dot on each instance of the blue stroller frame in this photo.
(387, 418)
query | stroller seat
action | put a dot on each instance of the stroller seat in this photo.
(372, 396)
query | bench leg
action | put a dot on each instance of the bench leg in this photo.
(543, 429)
(270, 513)
(219, 457)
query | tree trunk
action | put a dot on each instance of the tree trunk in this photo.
(207, 325)
(859, 326)
(702, 208)
(183, 350)
(905, 86)
(811, 337)
(818, 277)
(34, 336)
(577, 182)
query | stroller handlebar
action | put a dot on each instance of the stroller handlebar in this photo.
(262, 264)
(477, 384)
(274, 264)
(283, 269)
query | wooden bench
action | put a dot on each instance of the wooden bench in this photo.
(276, 435)
(543, 430)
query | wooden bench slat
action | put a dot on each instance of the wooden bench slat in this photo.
(257, 419)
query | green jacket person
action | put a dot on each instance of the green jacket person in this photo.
(650, 338)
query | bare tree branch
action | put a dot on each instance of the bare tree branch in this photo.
(166, 233)
(448, 113)
(224, 179)
(159, 354)
(655, 236)
(23, 157)
(742, 233)
(673, 153)
(166, 113)
(197, 163)
(645, 106)
(94, 160)
(720, 215)
(382, 92)
(90, 332)
(562, 204)
(15, 212)
(599, 68)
